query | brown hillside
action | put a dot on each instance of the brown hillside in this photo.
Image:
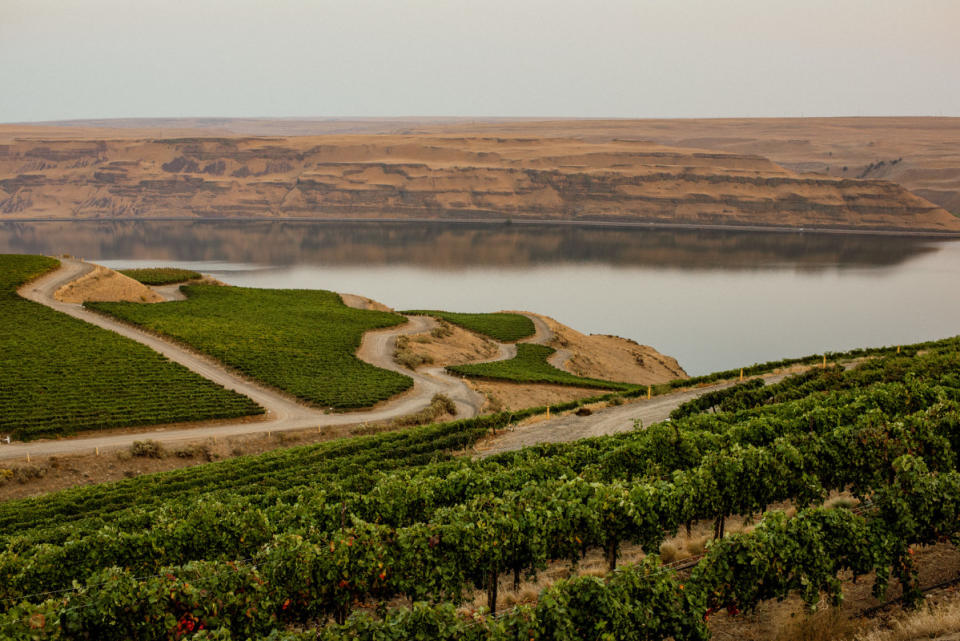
(435, 176)
(920, 153)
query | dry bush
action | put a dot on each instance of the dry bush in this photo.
(927, 623)
(147, 449)
(403, 355)
(494, 404)
(668, 553)
(366, 429)
(23, 473)
(696, 545)
(822, 625)
(440, 405)
(442, 330)
(196, 450)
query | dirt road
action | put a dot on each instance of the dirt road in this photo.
(377, 349)
(283, 411)
(287, 413)
(542, 336)
(610, 420)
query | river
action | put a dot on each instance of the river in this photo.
(713, 300)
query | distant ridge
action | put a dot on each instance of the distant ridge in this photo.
(504, 170)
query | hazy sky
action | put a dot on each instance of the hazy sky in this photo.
(642, 58)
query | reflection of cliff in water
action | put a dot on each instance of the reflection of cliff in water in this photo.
(451, 246)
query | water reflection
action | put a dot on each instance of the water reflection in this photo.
(452, 246)
(712, 300)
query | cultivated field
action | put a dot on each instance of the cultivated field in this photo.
(500, 326)
(160, 275)
(299, 341)
(280, 543)
(530, 366)
(59, 375)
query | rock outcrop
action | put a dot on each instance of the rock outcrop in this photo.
(439, 176)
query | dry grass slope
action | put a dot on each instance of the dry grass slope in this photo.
(518, 171)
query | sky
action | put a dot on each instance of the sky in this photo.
(65, 59)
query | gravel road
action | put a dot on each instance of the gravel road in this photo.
(610, 420)
(283, 411)
(286, 413)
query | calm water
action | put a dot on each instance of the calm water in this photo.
(712, 300)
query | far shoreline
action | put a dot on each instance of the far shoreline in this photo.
(507, 222)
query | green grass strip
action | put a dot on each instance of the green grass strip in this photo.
(161, 275)
(530, 366)
(500, 326)
(300, 341)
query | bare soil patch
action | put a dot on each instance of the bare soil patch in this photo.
(106, 285)
(449, 344)
(362, 302)
(515, 396)
(611, 357)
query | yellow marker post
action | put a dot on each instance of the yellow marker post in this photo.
(898, 349)
(548, 411)
(649, 392)
(824, 361)
(741, 373)
(98, 451)
(319, 429)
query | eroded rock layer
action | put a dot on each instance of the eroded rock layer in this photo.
(437, 176)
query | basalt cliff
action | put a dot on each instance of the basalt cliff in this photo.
(440, 176)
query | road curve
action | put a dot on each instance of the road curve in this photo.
(284, 412)
(378, 346)
(542, 336)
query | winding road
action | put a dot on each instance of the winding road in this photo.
(284, 412)
(542, 336)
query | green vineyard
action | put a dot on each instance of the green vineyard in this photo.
(530, 366)
(160, 275)
(59, 375)
(300, 341)
(499, 325)
(386, 537)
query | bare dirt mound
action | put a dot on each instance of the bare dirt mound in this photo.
(106, 285)
(448, 344)
(362, 302)
(611, 357)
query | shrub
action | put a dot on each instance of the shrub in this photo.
(147, 449)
